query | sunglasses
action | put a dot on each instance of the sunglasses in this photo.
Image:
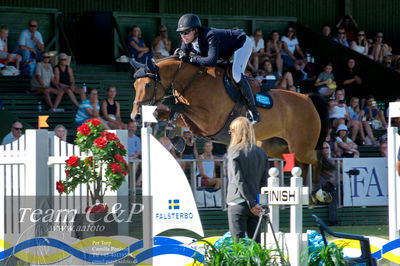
(162, 31)
(32, 26)
(63, 59)
(291, 31)
(18, 128)
(341, 32)
(387, 62)
(46, 57)
(379, 36)
(361, 35)
(185, 32)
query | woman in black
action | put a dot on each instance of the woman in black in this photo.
(110, 110)
(247, 173)
(64, 79)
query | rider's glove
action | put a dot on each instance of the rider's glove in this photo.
(185, 58)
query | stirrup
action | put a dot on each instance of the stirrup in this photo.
(253, 121)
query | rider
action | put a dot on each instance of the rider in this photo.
(210, 44)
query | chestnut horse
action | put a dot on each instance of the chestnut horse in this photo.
(292, 125)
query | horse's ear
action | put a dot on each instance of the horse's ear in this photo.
(135, 64)
(151, 65)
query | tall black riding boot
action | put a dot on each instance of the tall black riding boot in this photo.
(247, 94)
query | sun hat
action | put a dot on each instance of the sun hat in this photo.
(341, 127)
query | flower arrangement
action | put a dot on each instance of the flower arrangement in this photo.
(105, 169)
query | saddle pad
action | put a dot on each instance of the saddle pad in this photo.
(263, 100)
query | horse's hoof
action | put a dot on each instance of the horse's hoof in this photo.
(179, 144)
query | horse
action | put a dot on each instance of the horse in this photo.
(293, 125)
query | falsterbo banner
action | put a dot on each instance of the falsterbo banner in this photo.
(365, 182)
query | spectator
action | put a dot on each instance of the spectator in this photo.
(274, 47)
(338, 110)
(207, 168)
(387, 61)
(137, 48)
(166, 142)
(374, 115)
(42, 80)
(341, 37)
(61, 132)
(15, 133)
(4, 54)
(64, 79)
(355, 112)
(304, 71)
(326, 81)
(89, 108)
(397, 65)
(111, 110)
(258, 53)
(134, 143)
(354, 123)
(350, 79)
(272, 80)
(349, 25)
(383, 149)
(161, 44)
(326, 31)
(30, 43)
(360, 44)
(379, 48)
(290, 46)
(190, 151)
(344, 146)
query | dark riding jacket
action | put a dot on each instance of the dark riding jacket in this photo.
(215, 44)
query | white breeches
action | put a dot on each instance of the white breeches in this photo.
(240, 59)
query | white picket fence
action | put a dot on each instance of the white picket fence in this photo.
(29, 170)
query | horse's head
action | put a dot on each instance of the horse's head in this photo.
(148, 86)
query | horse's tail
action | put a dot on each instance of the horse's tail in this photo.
(322, 108)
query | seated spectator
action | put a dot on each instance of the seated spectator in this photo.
(338, 110)
(349, 25)
(89, 108)
(379, 48)
(161, 44)
(134, 143)
(274, 47)
(350, 79)
(325, 82)
(137, 48)
(387, 61)
(383, 149)
(258, 54)
(374, 115)
(42, 80)
(61, 132)
(356, 113)
(360, 44)
(290, 46)
(166, 142)
(111, 110)
(341, 37)
(344, 146)
(30, 43)
(326, 31)
(272, 80)
(190, 151)
(64, 79)
(304, 71)
(4, 54)
(15, 133)
(207, 168)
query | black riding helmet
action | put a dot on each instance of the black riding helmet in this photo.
(188, 21)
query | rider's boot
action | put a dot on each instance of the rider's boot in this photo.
(247, 94)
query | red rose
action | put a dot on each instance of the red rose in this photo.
(94, 122)
(72, 161)
(119, 158)
(100, 142)
(84, 129)
(60, 187)
(103, 134)
(119, 144)
(111, 136)
(115, 168)
(89, 160)
(125, 173)
(67, 172)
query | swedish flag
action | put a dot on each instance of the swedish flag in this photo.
(173, 204)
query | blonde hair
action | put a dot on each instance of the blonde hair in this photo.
(242, 133)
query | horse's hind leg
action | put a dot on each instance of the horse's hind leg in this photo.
(274, 147)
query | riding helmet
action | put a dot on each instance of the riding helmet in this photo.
(188, 21)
